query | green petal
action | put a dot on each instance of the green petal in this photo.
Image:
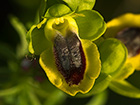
(113, 55)
(57, 10)
(92, 71)
(101, 83)
(38, 42)
(125, 88)
(78, 5)
(91, 24)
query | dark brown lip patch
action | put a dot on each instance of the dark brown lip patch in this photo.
(131, 38)
(69, 57)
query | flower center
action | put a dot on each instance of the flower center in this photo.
(131, 38)
(69, 57)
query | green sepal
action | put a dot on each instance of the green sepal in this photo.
(125, 72)
(101, 83)
(47, 61)
(57, 10)
(38, 42)
(125, 88)
(99, 41)
(42, 8)
(45, 4)
(90, 23)
(113, 56)
(79, 5)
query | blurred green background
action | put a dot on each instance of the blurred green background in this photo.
(25, 78)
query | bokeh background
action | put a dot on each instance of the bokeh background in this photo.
(17, 71)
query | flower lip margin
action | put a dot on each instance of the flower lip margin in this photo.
(58, 80)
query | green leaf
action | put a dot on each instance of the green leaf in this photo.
(22, 49)
(113, 56)
(56, 98)
(38, 42)
(33, 98)
(22, 98)
(99, 99)
(91, 24)
(57, 10)
(125, 88)
(78, 5)
(9, 91)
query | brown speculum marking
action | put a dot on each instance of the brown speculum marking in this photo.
(69, 57)
(131, 38)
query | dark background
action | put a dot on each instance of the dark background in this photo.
(25, 10)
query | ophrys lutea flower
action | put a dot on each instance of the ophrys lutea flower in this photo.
(64, 42)
(126, 28)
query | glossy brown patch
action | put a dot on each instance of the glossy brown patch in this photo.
(131, 38)
(69, 57)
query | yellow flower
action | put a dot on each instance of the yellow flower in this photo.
(127, 29)
(72, 64)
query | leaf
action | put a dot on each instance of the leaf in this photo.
(56, 98)
(38, 42)
(57, 10)
(21, 30)
(99, 99)
(33, 98)
(78, 5)
(125, 88)
(113, 56)
(22, 98)
(9, 91)
(91, 24)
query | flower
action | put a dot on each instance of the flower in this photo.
(127, 29)
(63, 39)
